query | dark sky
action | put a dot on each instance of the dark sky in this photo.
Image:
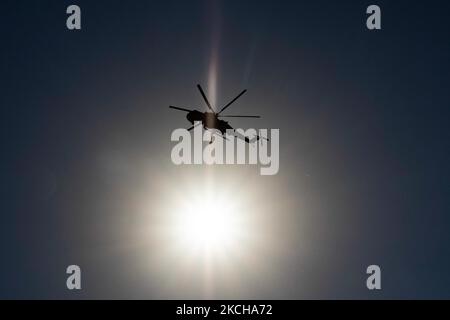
(364, 143)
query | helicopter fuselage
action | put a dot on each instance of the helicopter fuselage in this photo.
(209, 120)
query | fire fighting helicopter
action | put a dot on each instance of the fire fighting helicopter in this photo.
(210, 120)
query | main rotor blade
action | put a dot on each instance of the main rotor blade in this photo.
(246, 139)
(189, 129)
(239, 116)
(182, 109)
(240, 94)
(204, 97)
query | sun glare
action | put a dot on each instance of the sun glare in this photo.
(208, 234)
(207, 224)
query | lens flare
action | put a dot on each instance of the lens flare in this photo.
(213, 233)
(207, 225)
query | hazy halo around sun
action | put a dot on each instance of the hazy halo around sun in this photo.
(211, 232)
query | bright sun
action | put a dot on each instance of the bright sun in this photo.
(207, 224)
(206, 233)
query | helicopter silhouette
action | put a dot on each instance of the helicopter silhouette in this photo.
(210, 120)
